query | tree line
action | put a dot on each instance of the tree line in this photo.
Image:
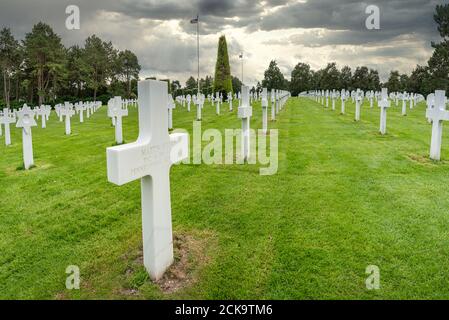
(40, 69)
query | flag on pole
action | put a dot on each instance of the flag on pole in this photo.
(194, 21)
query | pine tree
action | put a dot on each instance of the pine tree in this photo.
(223, 79)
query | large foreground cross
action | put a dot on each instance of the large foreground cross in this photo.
(150, 159)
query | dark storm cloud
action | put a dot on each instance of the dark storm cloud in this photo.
(407, 27)
(397, 17)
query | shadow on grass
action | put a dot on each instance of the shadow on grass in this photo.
(22, 168)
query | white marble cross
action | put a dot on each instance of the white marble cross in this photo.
(45, 112)
(273, 105)
(6, 118)
(68, 112)
(199, 107)
(58, 111)
(80, 107)
(245, 113)
(437, 115)
(171, 106)
(26, 121)
(343, 99)
(358, 103)
(404, 103)
(276, 94)
(334, 96)
(89, 111)
(230, 100)
(218, 104)
(150, 159)
(384, 104)
(117, 112)
(264, 110)
(189, 101)
(430, 101)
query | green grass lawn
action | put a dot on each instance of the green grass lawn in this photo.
(345, 197)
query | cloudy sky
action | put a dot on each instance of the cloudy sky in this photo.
(290, 31)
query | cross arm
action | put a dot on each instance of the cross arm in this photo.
(128, 162)
(179, 147)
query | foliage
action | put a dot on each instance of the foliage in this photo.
(301, 79)
(41, 70)
(222, 79)
(273, 77)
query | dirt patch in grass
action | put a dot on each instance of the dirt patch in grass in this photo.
(191, 255)
(424, 160)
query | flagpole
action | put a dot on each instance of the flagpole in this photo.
(198, 51)
(241, 56)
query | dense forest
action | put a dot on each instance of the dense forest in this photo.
(39, 69)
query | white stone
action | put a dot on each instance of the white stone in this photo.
(117, 112)
(358, 104)
(189, 101)
(334, 96)
(6, 118)
(430, 102)
(273, 105)
(67, 111)
(150, 159)
(384, 104)
(217, 106)
(230, 101)
(199, 108)
(404, 98)
(245, 113)
(80, 107)
(343, 98)
(276, 93)
(264, 110)
(171, 106)
(437, 115)
(26, 121)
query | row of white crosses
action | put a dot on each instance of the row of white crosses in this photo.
(89, 107)
(436, 112)
(26, 119)
(358, 97)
